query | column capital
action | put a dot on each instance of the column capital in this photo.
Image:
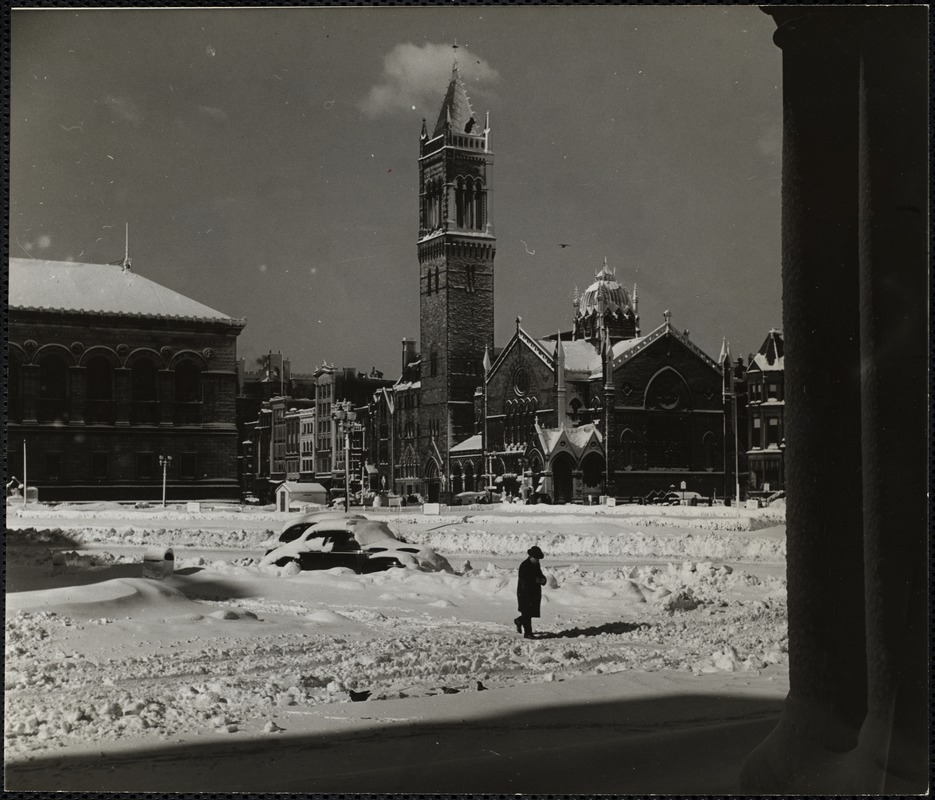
(805, 27)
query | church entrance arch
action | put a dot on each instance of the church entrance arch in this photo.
(469, 477)
(457, 479)
(592, 474)
(432, 481)
(562, 482)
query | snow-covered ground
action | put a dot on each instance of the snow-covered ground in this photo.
(226, 652)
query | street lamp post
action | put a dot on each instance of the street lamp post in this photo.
(345, 415)
(164, 462)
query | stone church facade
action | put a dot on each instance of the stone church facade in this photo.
(598, 410)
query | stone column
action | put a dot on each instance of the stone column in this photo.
(824, 524)
(854, 274)
(894, 390)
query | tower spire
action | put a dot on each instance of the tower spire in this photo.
(456, 108)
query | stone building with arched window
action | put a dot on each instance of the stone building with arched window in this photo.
(108, 371)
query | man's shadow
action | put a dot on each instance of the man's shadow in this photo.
(597, 630)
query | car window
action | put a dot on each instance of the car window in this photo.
(293, 532)
(344, 542)
(317, 543)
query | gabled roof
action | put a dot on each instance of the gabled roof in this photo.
(456, 107)
(770, 356)
(625, 350)
(576, 439)
(543, 349)
(98, 289)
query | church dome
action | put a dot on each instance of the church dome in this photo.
(605, 294)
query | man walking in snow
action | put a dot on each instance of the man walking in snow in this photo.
(529, 591)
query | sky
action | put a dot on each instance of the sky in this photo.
(265, 161)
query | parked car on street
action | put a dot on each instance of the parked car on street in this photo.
(354, 542)
(466, 498)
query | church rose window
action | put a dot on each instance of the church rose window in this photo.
(520, 381)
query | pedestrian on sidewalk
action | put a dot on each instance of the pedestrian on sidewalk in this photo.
(529, 591)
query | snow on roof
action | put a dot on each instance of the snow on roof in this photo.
(471, 444)
(770, 356)
(577, 437)
(300, 487)
(98, 288)
(584, 357)
(581, 356)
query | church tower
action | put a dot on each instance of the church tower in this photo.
(456, 253)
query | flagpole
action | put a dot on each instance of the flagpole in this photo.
(736, 443)
(484, 455)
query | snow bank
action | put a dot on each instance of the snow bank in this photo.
(225, 644)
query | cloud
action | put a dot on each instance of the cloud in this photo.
(770, 140)
(415, 77)
(124, 108)
(215, 113)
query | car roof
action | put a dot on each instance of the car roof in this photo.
(370, 532)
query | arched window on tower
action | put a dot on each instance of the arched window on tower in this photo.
(459, 202)
(433, 363)
(439, 202)
(469, 200)
(480, 198)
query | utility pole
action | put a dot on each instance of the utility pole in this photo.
(164, 462)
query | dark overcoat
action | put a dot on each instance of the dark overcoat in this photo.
(529, 588)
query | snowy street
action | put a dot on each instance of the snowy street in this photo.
(651, 627)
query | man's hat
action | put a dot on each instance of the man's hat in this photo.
(535, 552)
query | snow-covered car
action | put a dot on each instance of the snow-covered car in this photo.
(296, 526)
(356, 543)
(466, 498)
